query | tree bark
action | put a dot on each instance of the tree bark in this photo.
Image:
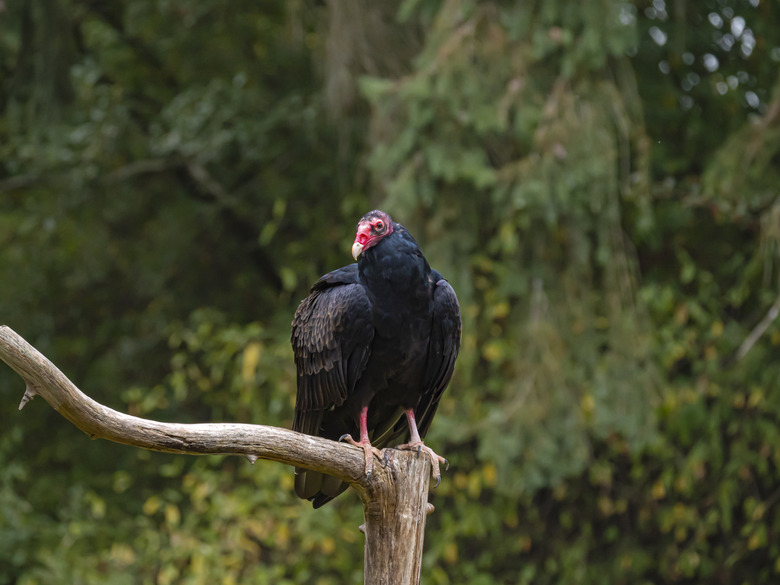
(395, 514)
(394, 498)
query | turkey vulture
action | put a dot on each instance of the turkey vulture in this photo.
(375, 342)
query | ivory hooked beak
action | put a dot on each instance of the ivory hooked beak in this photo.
(357, 248)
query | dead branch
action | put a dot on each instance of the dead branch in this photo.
(100, 422)
(759, 329)
(394, 498)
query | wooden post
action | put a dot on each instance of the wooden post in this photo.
(394, 498)
(395, 513)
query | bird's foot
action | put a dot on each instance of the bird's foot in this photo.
(436, 460)
(369, 452)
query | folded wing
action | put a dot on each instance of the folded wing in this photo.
(331, 340)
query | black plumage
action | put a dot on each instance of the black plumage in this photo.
(374, 341)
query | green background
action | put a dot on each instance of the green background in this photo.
(599, 181)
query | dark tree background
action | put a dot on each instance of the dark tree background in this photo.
(599, 182)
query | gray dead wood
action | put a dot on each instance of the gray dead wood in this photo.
(394, 499)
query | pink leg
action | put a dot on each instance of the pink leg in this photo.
(415, 443)
(364, 442)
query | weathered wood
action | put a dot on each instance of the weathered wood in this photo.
(394, 498)
(395, 513)
(100, 422)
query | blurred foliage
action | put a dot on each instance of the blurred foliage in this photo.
(599, 183)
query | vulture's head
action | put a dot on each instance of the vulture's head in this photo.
(371, 228)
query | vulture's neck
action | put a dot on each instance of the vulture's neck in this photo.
(394, 271)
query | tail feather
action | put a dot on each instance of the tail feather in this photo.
(316, 487)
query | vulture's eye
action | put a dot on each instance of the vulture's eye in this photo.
(379, 225)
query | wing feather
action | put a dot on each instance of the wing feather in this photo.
(331, 339)
(442, 351)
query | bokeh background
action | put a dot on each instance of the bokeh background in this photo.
(599, 180)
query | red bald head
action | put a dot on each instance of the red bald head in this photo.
(371, 228)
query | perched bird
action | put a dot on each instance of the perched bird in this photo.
(375, 342)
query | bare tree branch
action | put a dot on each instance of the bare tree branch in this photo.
(141, 167)
(395, 498)
(759, 329)
(100, 422)
(211, 186)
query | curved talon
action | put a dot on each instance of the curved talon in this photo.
(435, 459)
(369, 452)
